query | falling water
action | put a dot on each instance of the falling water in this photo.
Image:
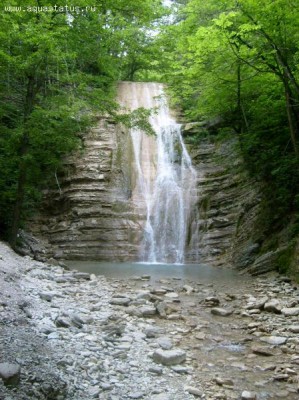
(165, 181)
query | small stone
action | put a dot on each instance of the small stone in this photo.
(221, 312)
(46, 296)
(148, 311)
(136, 395)
(281, 377)
(273, 306)
(77, 321)
(94, 393)
(47, 329)
(172, 295)
(212, 301)
(153, 331)
(169, 357)
(289, 312)
(158, 291)
(274, 340)
(248, 395)
(179, 369)
(54, 336)
(106, 386)
(200, 336)
(120, 301)
(257, 304)
(10, 373)
(156, 370)
(188, 289)
(61, 322)
(195, 391)
(161, 396)
(165, 343)
(224, 381)
(262, 350)
(294, 328)
(161, 308)
(82, 275)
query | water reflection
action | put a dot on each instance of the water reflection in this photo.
(193, 272)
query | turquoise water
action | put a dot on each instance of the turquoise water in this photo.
(193, 272)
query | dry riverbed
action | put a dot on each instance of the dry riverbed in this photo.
(71, 335)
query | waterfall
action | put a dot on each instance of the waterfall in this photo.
(164, 183)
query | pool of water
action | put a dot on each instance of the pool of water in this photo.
(192, 272)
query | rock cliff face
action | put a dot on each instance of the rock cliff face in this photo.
(228, 203)
(91, 216)
(95, 213)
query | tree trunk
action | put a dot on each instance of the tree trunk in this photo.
(293, 117)
(21, 184)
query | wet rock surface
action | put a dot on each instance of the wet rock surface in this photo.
(88, 337)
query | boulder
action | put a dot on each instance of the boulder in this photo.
(169, 357)
(273, 306)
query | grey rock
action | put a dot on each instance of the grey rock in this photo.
(165, 343)
(274, 340)
(10, 373)
(212, 301)
(262, 350)
(189, 289)
(172, 296)
(221, 311)
(62, 322)
(79, 321)
(273, 306)
(106, 386)
(120, 301)
(169, 357)
(257, 304)
(179, 369)
(161, 308)
(136, 395)
(246, 395)
(148, 311)
(294, 328)
(47, 329)
(46, 296)
(82, 275)
(290, 312)
(224, 381)
(161, 396)
(153, 331)
(156, 370)
(54, 336)
(195, 391)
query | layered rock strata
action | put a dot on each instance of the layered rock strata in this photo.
(90, 216)
(228, 202)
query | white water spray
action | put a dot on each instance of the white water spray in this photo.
(165, 181)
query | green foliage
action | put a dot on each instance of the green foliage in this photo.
(138, 118)
(239, 60)
(58, 69)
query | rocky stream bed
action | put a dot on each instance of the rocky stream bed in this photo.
(70, 335)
